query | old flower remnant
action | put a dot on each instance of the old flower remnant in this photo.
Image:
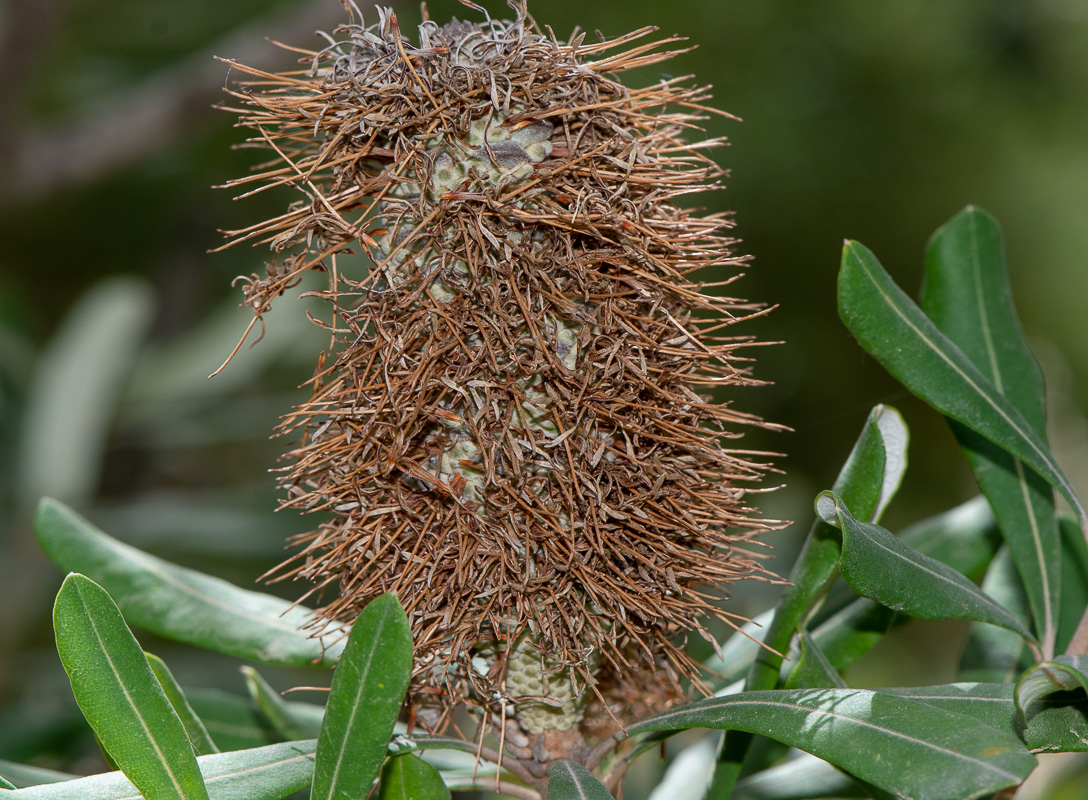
(513, 429)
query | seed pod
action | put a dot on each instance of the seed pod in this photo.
(514, 429)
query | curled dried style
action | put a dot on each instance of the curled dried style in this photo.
(512, 430)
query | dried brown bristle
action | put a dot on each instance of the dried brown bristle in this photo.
(513, 431)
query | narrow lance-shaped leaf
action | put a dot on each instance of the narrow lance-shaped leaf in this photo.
(967, 295)
(120, 696)
(569, 780)
(180, 603)
(408, 777)
(926, 753)
(965, 538)
(891, 328)
(194, 727)
(367, 691)
(880, 566)
(265, 773)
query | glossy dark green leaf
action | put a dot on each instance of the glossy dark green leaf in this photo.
(925, 752)
(274, 708)
(120, 696)
(408, 777)
(880, 566)
(965, 538)
(966, 292)
(180, 603)
(266, 773)
(891, 328)
(194, 727)
(367, 691)
(1058, 724)
(993, 654)
(1059, 720)
(989, 703)
(569, 780)
(967, 295)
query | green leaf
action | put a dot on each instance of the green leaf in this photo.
(813, 669)
(72, 399)
(897, 744)
(120, 696)
(880, 566)
(1063, 674)
(5, 783)
(967, 295)
(965, 538)
(194, 728)
(23, 775)
(869, 478)
(995, 654)
(181, 603)
(1074, 581)
(1059, 720)
(272, 705)
(233, 721)
(688, 774)
(367, 691)
(989, 703)
(408, 777)
(569, 780)
(802, 778)
(891, 328)
(266, 773)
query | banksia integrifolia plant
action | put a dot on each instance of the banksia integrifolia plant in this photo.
(514, 429)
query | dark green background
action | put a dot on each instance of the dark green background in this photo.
(873, 121)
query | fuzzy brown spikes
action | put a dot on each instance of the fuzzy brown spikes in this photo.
(513, 431)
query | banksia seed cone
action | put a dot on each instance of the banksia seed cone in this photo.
(511, 431)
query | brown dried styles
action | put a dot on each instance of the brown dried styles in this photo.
(513, 430)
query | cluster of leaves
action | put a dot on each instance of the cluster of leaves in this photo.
(964, 354)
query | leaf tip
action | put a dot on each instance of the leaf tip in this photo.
(827, 507)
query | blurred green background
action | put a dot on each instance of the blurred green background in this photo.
(873, 121)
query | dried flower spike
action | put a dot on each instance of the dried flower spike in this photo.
(513, 430)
